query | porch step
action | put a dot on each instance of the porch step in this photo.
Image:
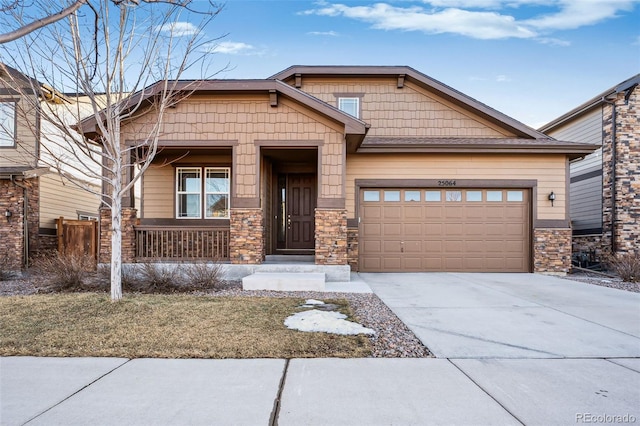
(284, 281)
(289, 258)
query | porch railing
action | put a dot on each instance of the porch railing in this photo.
(181, 243)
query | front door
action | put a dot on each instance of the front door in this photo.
(297, 202)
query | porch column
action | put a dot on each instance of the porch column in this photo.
(247, 237)
(129, 220)
(331, 236)
(552, 251)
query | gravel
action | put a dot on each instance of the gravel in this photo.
(604, 281)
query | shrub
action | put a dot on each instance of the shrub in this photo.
(626, 265)
(158, 278)
(66, 272)
(6, 273)
(203, 276)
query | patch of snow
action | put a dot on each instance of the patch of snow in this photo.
(312, 302)
(327, 322)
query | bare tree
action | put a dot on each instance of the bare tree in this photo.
(126, 61)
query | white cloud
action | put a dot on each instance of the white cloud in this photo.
(231, 48)
(502, 78)
(323, 33)
(179, 29)
(481, 19)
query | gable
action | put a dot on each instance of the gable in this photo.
(409, 111)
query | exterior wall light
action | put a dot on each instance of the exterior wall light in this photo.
(552, 198)
(8, 214)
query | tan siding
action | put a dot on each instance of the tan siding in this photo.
(158, 182)
(410, 111)
(248, 118)
(63, 199)
(24, 153)
(549, 170)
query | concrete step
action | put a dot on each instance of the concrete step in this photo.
(284, 281)
(289, 258)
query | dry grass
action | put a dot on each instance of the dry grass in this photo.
(164, 326)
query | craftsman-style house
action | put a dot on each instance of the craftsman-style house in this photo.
(377, 167)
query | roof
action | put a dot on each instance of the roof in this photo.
(484, 145)
(353, 126)
(22, 172)
(435, 86)
(46, 91)
(594, 102)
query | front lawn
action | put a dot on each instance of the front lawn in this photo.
(164, 326)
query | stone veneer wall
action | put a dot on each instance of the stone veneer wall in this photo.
(627, 217)
(247, 240)
(552, 250)
(352, 248)
(129, 220)
(12, 229)
(331, 236)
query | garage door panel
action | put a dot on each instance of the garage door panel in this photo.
(460, 231)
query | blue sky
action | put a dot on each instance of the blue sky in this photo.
(530, 59)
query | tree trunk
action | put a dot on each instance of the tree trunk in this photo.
(116, 242)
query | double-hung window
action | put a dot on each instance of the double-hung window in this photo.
(202, 192)
(7, 124)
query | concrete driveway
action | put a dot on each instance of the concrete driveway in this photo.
(512, 315)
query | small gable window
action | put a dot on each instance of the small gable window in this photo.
(350, 105)
(7, 124)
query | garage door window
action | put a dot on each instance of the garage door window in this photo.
(454, 196)
(392, 195)
(514, 196)
(474, 195)
(371, 196)
(494, 195)
(412, 195)
(432, 196)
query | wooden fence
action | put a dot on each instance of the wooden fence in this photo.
(77, 237)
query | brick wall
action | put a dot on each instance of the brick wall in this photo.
(352, 248)
(129, 220)
(552, 251)
(12, 228)
(246, 245)
(331, 237)
(627, 215)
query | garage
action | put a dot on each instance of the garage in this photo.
(444, 229)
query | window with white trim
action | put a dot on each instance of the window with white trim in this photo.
(198, 198)
(7, 124)
(350, 105)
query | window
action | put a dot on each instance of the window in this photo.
(514, 196)
(191, 194)
(7, 124)
(350, 105)
(371, 195)
(494, 195)
(392, 195)
(474, 196)
(453, 196)
(432, 195)
(412, 195)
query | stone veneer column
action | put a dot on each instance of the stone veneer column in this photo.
(627, 217)
(352, 248)
(331, 237)
(552, 251)
(129, 220)
(11, 229)
(246, 240)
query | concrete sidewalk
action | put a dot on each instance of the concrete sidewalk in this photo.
(115, 391)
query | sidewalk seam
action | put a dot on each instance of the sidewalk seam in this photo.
(275, 413)
(486, 392)
(76, 392)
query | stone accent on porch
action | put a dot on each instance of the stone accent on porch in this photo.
(552, 251)
(129, 220)
(352, 248)
(247, 243)
(331, 236)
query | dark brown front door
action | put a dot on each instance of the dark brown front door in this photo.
(298, 201)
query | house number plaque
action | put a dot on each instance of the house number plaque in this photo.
(446, 183)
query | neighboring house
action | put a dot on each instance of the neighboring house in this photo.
(31, 195)
(600, 208)
(377, 167)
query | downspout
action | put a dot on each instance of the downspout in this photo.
(25, 219)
